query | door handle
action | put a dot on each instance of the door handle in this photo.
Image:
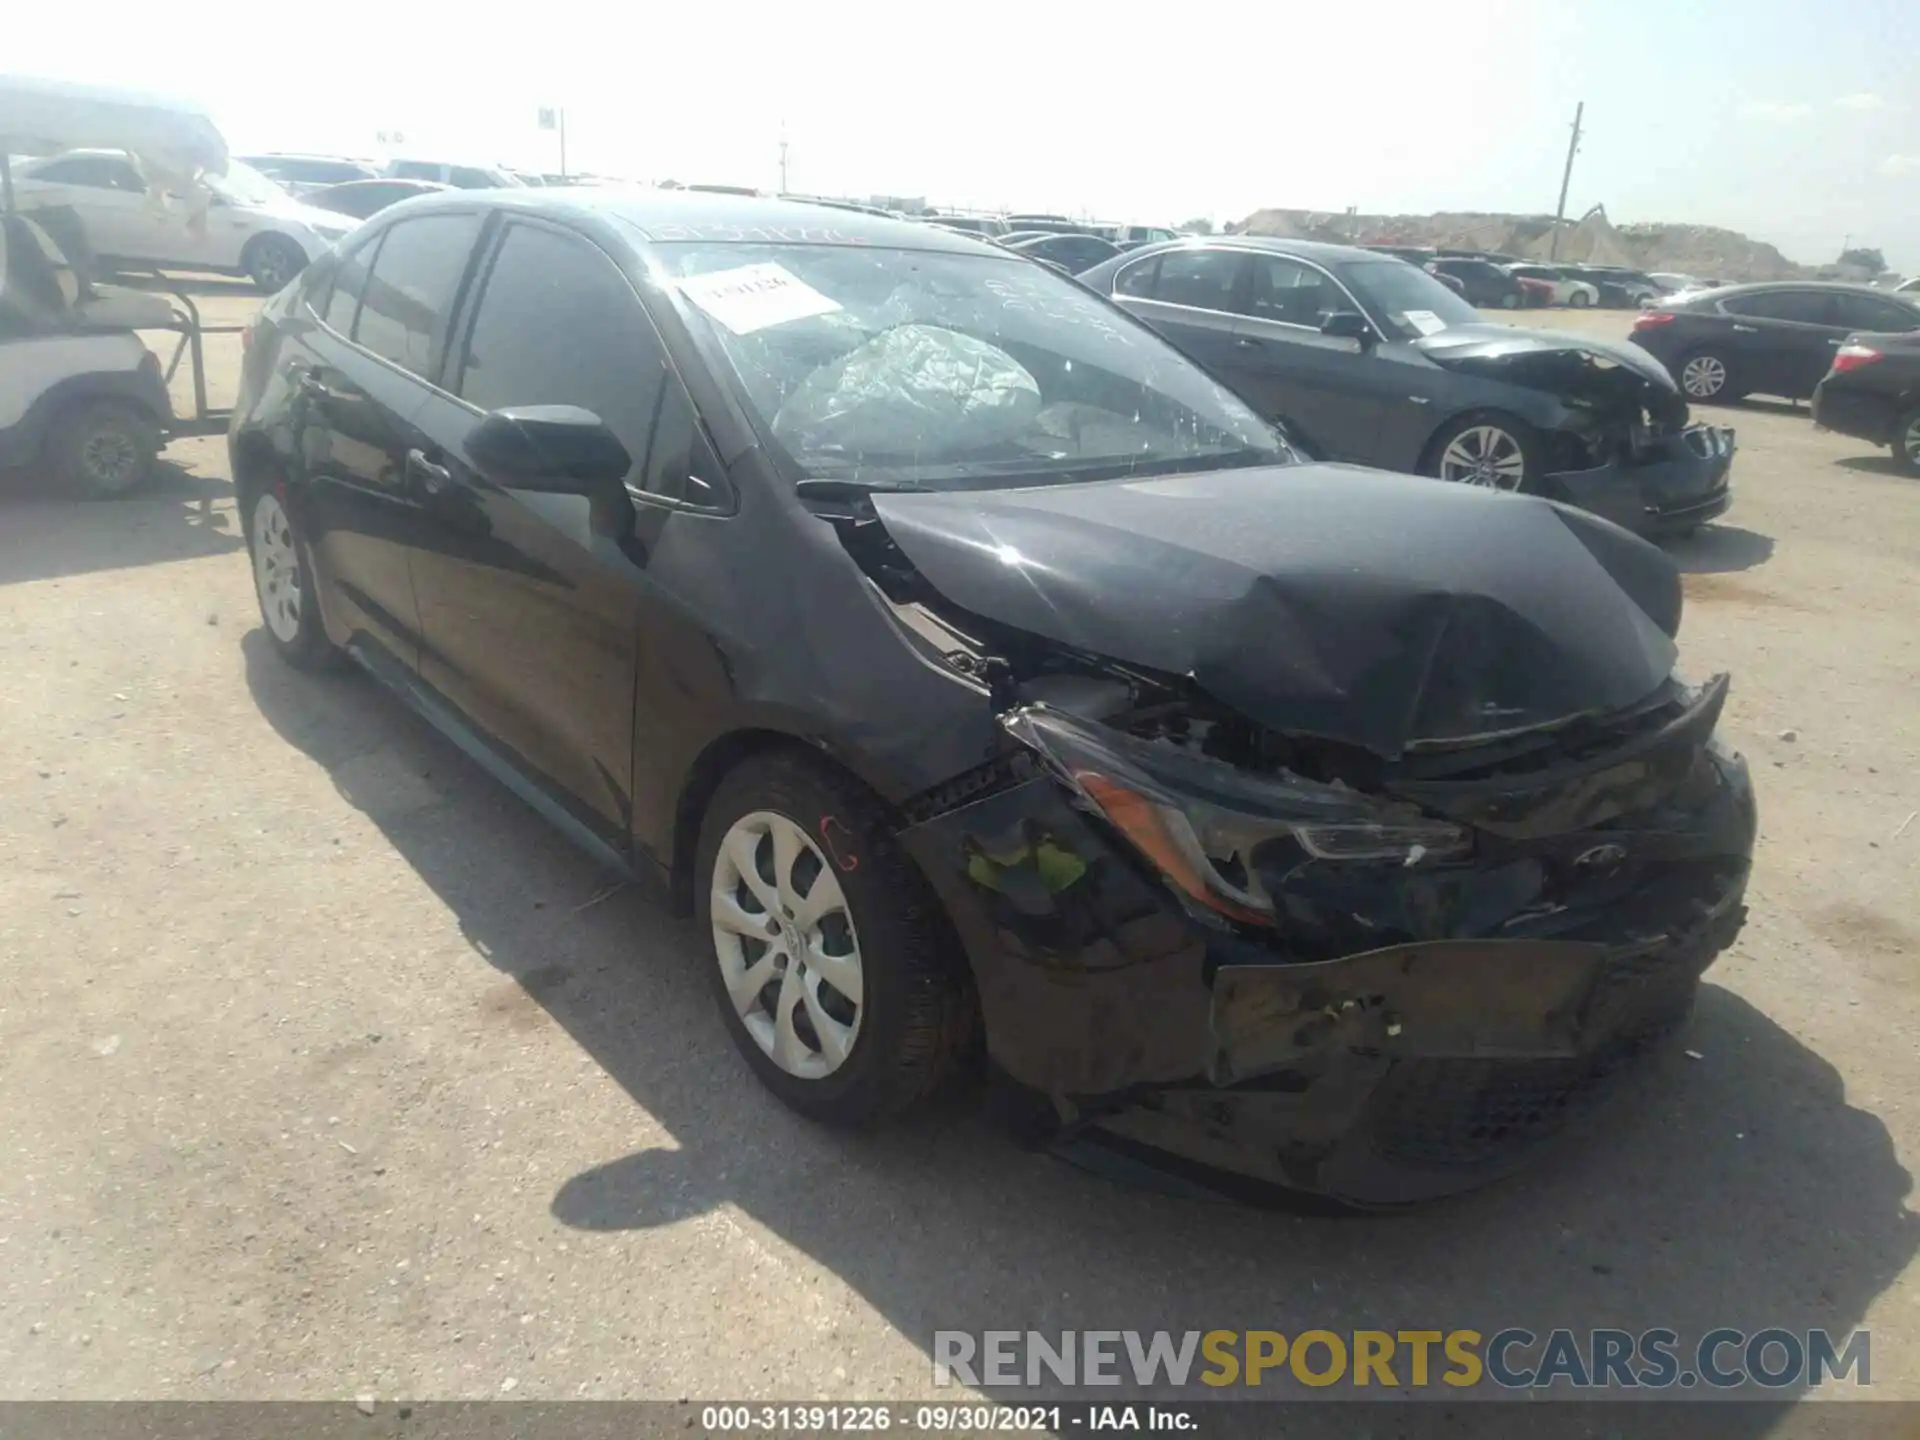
(1245, 342)
(1746, 329)
(431, 478)
(1833, 342)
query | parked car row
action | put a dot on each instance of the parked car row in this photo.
(994, 682)
(1851, 349)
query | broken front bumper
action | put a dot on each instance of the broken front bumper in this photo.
(1681, 483)
(1130, 1025)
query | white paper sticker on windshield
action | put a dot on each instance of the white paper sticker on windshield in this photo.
(1425, 321)
(753, 297)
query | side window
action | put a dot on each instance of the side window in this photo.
(411, 288)
(1863, 312)
(1138, 278)
(336, 300)
(97, 172)
(466, 177)
(1809, 307)
(680, 465)
(416, 170)
(558, 324)
(1290, 292)
(1203, 279)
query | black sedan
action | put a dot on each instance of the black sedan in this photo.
(363, 199)
(1481, 281)
(1371, 359)
(1872, 392)
(1072, 253)
(1776, 338)
(976, 667)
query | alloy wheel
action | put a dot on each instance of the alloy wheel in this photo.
(1703, 377)
(784, 939)
(1484, 455)
(274, 265)
(111, 459)
(276, 569)
(1910, 442)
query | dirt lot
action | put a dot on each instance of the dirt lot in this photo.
(327, 1069)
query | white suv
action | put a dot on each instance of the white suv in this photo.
(251, 227)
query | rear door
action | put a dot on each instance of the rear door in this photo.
(110, 198)
(1190, 296)
(1874, 315)
(360, 379)
(531, 603)
(1782, 340)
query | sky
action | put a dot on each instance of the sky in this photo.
(1795, 122)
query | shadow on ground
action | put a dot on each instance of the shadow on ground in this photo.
(1719, 549)
(1740, 1189)
(1875, 465)
(45, 533)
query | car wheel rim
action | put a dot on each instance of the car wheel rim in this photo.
(784, 939)
(1484, 455)
(273, 268)
(1703, 376)
(276, 569)
(110, 458)
(1910, 442)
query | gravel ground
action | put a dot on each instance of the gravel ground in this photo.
(327, 1069)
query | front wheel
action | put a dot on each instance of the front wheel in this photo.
(104, 448)
(1579, 300)
(1906, 441)
(271, 262)
(830, 960)
(1495, 452)
(283, 581)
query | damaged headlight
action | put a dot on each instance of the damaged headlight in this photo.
(1200, 821)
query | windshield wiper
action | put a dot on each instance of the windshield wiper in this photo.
(824, 487)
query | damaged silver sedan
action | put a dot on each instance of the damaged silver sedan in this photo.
(991, 680)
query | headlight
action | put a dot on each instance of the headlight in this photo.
(1199, 822)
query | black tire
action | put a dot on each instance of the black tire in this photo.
(1578, 300)
(103, 449)
(1905, 443)
(917, 1017)
(271, 262)
(303, 644)
(1509, 301)
(1728, 391)
(1533, 450)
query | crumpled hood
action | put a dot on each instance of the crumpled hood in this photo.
(1508, 342)
(1329, 600)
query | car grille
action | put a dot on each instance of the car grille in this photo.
(1468, 1112)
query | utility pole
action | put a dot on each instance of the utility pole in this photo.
(783, 157)
(1566, 177)
(563, 143)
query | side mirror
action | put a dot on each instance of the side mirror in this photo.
(1348, 325)
(559, 449)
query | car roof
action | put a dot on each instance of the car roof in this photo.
(1757, 287)
(703, 215)
(1323, 251)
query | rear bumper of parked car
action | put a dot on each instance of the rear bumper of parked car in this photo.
(1681, 484)
(1134, 1036)
(1850, 412)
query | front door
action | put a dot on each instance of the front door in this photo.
(531, 603)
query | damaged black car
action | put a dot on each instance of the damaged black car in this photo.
(993, 683)
(1367, 358)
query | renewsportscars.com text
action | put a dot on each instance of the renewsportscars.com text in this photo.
(1513, 1359)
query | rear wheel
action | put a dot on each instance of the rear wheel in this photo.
(271, 261)
(1509, 301)
(1579, 300)
(283, 582)
(1493, 451)
(104, 448)
(1906, 441)
(831, 963)
(1707, 376)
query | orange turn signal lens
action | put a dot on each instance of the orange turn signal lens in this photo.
(1145, 824)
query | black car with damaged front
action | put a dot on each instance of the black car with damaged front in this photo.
(975, 666)
(1372, 360)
